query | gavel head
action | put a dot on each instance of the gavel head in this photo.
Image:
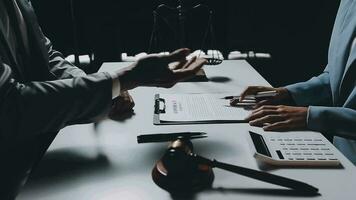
(177, 160)
(178, 173)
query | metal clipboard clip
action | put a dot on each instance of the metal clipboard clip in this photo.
(160, 106)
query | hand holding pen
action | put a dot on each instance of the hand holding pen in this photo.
(250, 100)
(261, 96)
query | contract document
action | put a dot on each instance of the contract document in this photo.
(199, 108)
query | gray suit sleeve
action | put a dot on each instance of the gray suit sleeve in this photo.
(40, 107)
(316, 91)
(60, 67)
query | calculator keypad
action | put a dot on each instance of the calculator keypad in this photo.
(301, 149)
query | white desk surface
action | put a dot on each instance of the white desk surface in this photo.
(108, 164)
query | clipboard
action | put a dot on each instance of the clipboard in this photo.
(160, 109)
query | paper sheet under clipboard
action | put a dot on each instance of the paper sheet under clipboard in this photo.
(197, 108)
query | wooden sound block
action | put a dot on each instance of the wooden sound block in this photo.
(184, 184)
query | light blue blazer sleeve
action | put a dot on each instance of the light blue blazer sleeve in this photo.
(333, 120)
(316, 91)
(322, 115)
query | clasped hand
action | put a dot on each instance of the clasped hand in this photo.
(153, 70)
(160, 70)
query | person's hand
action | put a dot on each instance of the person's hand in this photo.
(279, 118)
(122, 105)
(160, 70)
(282, 97)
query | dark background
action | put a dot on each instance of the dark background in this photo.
(295, 32)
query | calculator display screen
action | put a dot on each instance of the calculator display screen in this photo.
(260, 144)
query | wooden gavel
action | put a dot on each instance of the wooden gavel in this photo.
(180, 169)
(177, 172)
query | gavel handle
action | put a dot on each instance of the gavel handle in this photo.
(267, 177)
(259, 175)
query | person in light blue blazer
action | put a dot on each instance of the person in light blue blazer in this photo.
(326, 103)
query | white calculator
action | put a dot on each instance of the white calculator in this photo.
(294, 149)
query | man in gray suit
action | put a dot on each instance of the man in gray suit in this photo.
(40, 92)
(326, 103)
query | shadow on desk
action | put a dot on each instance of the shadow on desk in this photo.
(219, 79)
(266, 167)
(122, 117)
(263, 191)
(66, 164)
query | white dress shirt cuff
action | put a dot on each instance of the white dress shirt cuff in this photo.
(116, 86)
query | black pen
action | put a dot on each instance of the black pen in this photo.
(265, 94)
(230, 97)
(168, 139)
(236, 97)
(168, 136)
